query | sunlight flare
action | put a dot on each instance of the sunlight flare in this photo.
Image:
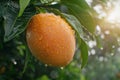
(114, 15)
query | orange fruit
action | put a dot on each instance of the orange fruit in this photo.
(50, 39)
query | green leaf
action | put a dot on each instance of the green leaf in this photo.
(2, 7)
(27, 58)
(82, 77)
(80, 29)
(1, 33)
(82, 3)
(10, 17)
(74, 23)
(80, 37)
(84, 53)
(44, 77)
(13, 25)
(23, 5)
(82, 12)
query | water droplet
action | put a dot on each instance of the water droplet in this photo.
(46, 65)
(54, 3)
(28, 35)
(62, 68)
(14, 62)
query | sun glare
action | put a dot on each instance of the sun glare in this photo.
(114, 15)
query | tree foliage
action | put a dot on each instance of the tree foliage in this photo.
(16, 61)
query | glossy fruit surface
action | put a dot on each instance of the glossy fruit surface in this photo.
(50, 39)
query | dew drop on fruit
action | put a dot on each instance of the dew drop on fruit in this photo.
(62, 68)
(28, 35)
(14, 62)
(46, 65)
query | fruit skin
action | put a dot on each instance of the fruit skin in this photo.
(50, 39)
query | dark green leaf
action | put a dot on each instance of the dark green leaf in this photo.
(14, 25)
(82, 12)
(1, 32)
(75, 24)
(84, 53)
(27, 58)
(10, 18)
(80, 37)
(23, 5)
(40, 10)
(82, 3)
(2, 7)
(72, 20)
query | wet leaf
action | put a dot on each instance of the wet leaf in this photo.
(82, 3)
(2, 7)
(84, 53)
(81, 10)
(23, 5)
(80, 37)
(13, 25)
